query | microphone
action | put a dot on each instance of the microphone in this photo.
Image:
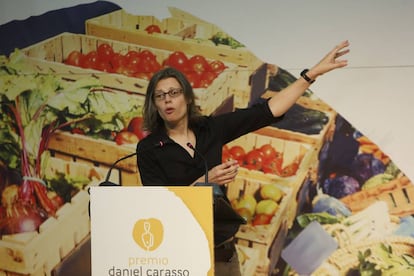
(160, 144)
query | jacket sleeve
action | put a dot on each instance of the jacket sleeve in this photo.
(242, 121)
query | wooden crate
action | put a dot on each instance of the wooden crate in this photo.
(37, 253)
(98, 153)
(180, 32)
(48, 56)
(262, 237)
(291, 150)
(186, 33)
(398, 194)
(248, 259)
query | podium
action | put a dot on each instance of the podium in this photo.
(141, 230)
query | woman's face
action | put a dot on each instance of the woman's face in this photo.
(172, 107)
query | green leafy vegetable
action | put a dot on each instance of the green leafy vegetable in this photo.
(322, 218)
(224, 39)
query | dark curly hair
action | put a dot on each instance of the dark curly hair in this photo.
(152, 120)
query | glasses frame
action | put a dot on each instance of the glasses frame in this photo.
(160, 95)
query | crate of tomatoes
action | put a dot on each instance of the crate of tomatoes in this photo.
(128, 67)
(264, 204)
(182, 31)
(274, 159)
(191, 35)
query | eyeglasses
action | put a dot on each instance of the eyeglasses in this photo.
(173, 93)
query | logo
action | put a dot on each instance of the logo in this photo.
(148, 233)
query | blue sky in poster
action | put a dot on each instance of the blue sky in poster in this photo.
(374, 92)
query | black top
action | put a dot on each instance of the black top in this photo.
(163, 162)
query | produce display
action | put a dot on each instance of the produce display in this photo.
(366, 242)
(365, 171)
(259, 208)
(200, 71)
(265, 158)
(33, 107)
(311, 166)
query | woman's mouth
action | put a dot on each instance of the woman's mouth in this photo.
(169, 110)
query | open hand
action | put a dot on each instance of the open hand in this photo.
(331, 61)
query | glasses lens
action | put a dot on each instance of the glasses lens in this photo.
(160, 95)
(174, 92)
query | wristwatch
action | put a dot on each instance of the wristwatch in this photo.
(303, 75)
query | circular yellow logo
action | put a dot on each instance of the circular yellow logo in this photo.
(148, 233)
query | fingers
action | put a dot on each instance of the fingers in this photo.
(339, 49)
(341, 53)
(225, 172)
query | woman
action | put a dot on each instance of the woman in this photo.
(182, 141)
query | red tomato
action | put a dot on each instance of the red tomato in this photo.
(90, 60)
(134, 60)
(237, 153)
(193, 79)
(144, 66)
(125, 137)
(217, 66)
(177, 60)
(105, 52)
(153, 29)
(135, 126)
(198, 64)
(290, 169)
(262, 219)
(131, 53)
(118, 60)
(268, 151)
(147, 55)
(103, 66)
(74, 58)
(206, 79)
(154, 65)
(273, 166)
(225, 154)
(255, 159)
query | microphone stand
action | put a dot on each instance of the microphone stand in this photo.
(226, 219)
(108, 175)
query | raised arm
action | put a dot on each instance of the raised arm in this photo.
(283, 100)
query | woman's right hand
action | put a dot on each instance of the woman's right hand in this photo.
(223, 173)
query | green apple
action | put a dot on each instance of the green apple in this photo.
(266, 206)
(271, 191)
(248, 202)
